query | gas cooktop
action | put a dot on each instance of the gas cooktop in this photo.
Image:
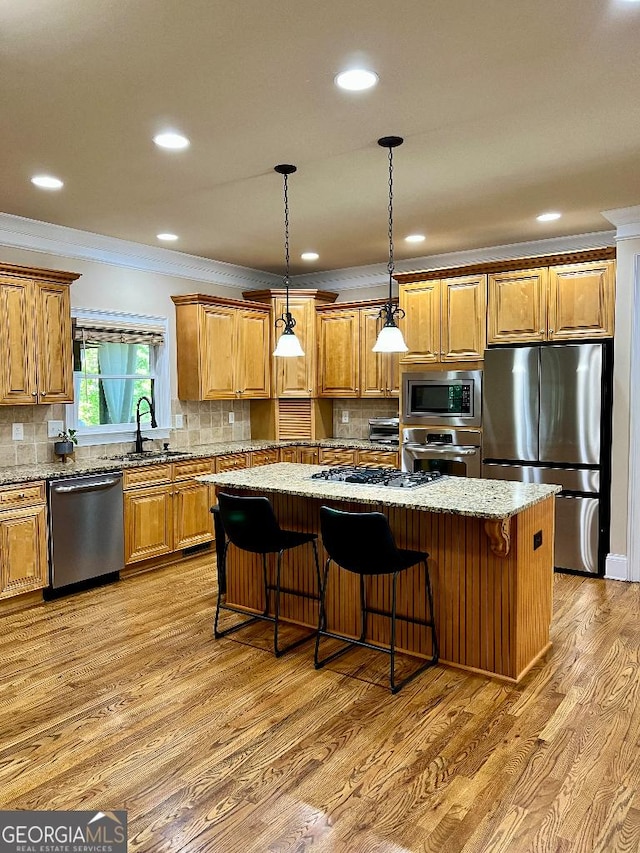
(390, 478)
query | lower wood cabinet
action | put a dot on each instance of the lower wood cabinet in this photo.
(165, 510)
(337, 456)
(23, 539)
(379, 458)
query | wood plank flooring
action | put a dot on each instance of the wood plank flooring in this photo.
(120, 698)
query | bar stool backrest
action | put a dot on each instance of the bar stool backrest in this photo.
(360, 542)
(250, 523)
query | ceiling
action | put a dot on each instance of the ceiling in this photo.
(508, 109)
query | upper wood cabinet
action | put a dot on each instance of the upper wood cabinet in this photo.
(444, 319)
(339, 353)
(36, 349)
(581, 301)
(518, 306)
(347, 365)
(379, 371)
(294, 377)
(223, 348)
(565, 302)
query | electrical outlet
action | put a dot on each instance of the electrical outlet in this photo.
(179, 421)
(345, 416)
(17, 432)
(54, 428)
(232, 417)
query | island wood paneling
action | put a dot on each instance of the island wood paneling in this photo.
(492, 613)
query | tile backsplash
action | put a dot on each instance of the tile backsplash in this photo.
(204, 423)
(359, 412)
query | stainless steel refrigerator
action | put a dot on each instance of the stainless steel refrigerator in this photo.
(546, 418)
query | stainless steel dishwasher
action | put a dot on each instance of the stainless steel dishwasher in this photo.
(86, 528)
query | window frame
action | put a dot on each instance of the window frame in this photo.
(117, 433)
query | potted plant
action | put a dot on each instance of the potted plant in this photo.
(65, 444)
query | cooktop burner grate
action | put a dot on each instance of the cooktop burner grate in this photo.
(386, 477)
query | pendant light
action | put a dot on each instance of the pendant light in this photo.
(288, 343)
(390, 337)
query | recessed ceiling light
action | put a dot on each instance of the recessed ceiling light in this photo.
(173, 141)
(47, 182)
(548, 217)
(309, 256)
(356, 79)
(415, 238)
(167, 237)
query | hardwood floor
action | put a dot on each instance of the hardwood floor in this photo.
(120, 698)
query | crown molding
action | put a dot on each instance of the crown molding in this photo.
(354, 278)
(626, 220)
(21, 233)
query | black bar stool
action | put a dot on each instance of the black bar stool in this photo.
(250, 524)
(362, 543)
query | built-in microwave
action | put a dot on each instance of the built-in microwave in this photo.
(442, 398)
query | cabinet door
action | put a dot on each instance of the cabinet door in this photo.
(295, 377)
(421, 324)
(464, 318)
(373, 365)
(339, 346)
(517, 306)
(192, 519)
(18, 367)
(289, 454)
(54, 346)
(218, 352)
(309, 455)
(148, 523)
(253, 360)
(581, 301)
(23, 551)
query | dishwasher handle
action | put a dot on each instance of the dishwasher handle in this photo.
(86, 487)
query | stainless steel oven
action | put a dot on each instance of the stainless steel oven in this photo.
(454, 452)
(451, 398)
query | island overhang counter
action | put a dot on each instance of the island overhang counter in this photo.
(491, 562)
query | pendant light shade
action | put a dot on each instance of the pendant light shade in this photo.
(288, 345)
(390, 337)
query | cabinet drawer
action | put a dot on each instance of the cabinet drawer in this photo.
(378, 458)
(264, 457)
(26, 494)
(147, 476)
(192, 468)
(232, 461)
(337, 457)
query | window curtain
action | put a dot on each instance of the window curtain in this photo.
(118, 393)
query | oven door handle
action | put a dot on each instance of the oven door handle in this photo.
(449, 451)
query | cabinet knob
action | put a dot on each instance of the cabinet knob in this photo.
(550, 331)
(34, 393)
(542, 331)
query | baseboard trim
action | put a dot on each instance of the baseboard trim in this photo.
(616, 567)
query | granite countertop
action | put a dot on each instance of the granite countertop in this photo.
(459, 495)
(54, 470)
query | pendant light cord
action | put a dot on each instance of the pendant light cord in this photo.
(286, 240)
(390, 265)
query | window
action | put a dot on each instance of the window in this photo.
(118, 358)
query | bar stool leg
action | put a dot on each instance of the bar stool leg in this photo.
(392, 680)
(363, 610)
(265, 579)
(435, 649)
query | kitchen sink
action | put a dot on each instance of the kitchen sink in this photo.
(148, 454)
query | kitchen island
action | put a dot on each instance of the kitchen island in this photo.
(491, 562)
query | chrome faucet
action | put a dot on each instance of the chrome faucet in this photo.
(154, 423)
